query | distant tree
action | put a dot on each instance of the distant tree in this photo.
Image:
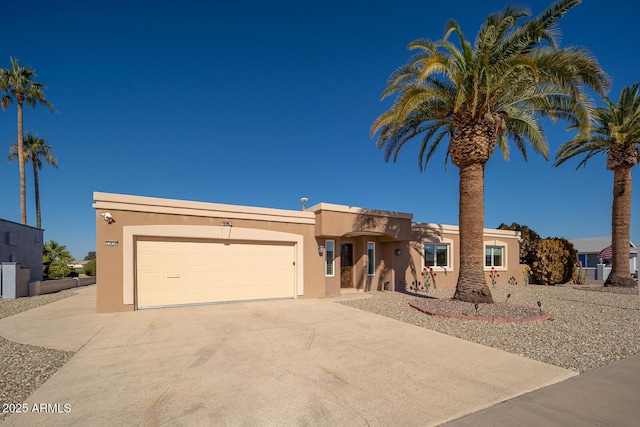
(17, 84)
(35, 151)
(91, 255)
(528, 240)
(54, 251)
(90, 268)
(58, 269)
(55, 257)
(616, 133)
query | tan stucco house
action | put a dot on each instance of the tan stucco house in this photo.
(160, 252)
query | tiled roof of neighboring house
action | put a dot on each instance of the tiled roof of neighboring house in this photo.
(594, 244)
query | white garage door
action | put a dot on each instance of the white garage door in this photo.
(195, 272)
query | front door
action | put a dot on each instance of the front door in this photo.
(346, 265)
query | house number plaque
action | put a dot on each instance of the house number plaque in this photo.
(111, 242)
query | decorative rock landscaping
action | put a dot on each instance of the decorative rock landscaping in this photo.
(24, 368)
(497, 312)
(588, 330)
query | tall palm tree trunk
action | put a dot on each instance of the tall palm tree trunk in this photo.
(36, 189)
(620, 228)
(21, 162)
(472, 286)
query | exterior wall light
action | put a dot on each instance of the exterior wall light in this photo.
(321, 250)
(398, 252)
(108, 217)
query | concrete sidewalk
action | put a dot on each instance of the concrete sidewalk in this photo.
(294, 362)
(67, 324)
(608, 396)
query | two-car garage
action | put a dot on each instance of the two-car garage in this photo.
(173, 272)
(165, 252)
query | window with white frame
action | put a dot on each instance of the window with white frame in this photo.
(371, 258)
(436, 254)
(494, 256)
(330, 258)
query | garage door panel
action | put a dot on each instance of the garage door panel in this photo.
(149, 260)
(151, 297)
(195, 261)
(174, 261)
(196, 278)
(197, 296)
(177, 297)
(192, 272)
(213, 262)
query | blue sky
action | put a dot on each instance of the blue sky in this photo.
(263, 102)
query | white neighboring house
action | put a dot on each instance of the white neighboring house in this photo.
(77, 264)
(595, 250)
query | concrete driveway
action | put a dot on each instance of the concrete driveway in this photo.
(293, 362)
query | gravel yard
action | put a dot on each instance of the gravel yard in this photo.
(9, 307)
(24, 368)
(588, 330)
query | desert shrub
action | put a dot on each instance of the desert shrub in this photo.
(571, 256)
(554, 261)
(90, 268)
(579, 275)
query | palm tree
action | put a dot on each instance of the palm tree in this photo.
(18, 84)
(57, 256)
(35, 150)
(480, 95)
(617, 133)
(54, 251)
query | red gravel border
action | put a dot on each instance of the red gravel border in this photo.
(544, 316)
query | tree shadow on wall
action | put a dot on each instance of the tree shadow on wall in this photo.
(378, 221)
(421, 232)
(369, 283)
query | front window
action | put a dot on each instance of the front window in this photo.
(494, 256)
(436, 254)
(583, 259)
(329, 258)
(371, 258)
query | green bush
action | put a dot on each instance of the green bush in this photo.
(58, 269)
(90, 268)
(554, 261)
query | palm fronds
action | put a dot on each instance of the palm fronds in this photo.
(514, 71)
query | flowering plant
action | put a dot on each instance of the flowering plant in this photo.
(526, 273)
(427, 275)
(493, 274)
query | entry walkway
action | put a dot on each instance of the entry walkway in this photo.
(294, 362)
